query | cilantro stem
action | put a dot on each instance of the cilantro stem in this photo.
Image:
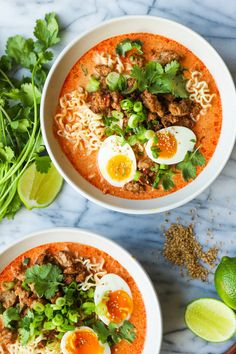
(7, 78)
(21, 159)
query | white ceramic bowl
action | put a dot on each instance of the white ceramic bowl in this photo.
(189, 39)
(154, 321)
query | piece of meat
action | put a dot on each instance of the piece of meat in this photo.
(169, 120)
(168, 97)
(181, 108)
(102, 70)
(151, 116)
(151, 102)
(81, 277)
(134, 187)
(25, 298)
(8, 298)
(64, 258)
(164, 57)
(116, 97)
(99, 102)
(138, 60)
(145, 163)
(185, 121)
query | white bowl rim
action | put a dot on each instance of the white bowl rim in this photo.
(124, 209)
(151, 303)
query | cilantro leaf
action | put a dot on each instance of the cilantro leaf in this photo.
(6, 153)
(167, 181)
(197, 158)
(43, 163)
(189, 164)
(172, 68)
(157, 79)
(127, 44)
(9, 316)
(13, 207)
(21, 51)
(46, 279)
(46, 31)
(113, 334)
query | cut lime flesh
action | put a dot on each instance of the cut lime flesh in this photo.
(38, 190)
(211, 320)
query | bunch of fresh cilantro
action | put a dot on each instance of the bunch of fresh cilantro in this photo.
(23, 72)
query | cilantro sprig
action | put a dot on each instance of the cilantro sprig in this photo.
(127, 44)
(46, 279)
(113, 334)
(158, 79)
(188, 166)
(20, 136)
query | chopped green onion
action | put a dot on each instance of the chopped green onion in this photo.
(155, 140)
(25, 286)
(48, 311)
(163, 167)
(26, 261)
(88, 308)
(132, 140)
(38, 307)
(48, 326)
(57, 320)
(60, 301)
(138, 106)
(73, 316)
(117, 115)
(93, 85)
(133, 121)
(112, 80)
(90, 293)
(149, 134)
(155, 151)
(126, 104)
(8, 285)
(136, 176)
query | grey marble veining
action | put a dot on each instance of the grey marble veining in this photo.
(215, 209)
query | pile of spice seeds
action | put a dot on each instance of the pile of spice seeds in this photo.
(182, 249)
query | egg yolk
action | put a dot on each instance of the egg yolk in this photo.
(119, 167)
(119, 305)
(167, 145)
(83, 342)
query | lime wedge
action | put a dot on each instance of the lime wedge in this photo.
(210, 319)
(38, 190)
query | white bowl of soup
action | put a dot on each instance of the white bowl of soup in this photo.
(138, 114)
(66, 286)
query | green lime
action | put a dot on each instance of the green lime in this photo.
(225, 281)
(210, 319)
(38, 190)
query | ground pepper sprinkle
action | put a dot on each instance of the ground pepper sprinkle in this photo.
(182, 249)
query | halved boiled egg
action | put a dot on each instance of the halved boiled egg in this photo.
(171, 145)
(116, 161)
(83, 340)
(113, 299)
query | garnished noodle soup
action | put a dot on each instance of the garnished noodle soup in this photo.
(69, 298)
(139, 116)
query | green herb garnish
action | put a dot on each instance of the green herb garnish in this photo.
(189, 164)
(113, 334)
(46, 279)
(158, 79)
(93, 85)
(127, 44)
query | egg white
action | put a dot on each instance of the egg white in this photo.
(110, 282)
(186, 140)
(111, 147)
(67, 334)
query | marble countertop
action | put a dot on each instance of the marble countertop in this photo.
(215, 209)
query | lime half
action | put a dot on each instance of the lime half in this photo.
(225, 281)
(38, 190)
(211, 320)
